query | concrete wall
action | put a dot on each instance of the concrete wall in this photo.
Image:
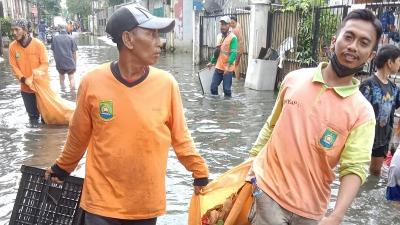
(17, 9)
(183, 11)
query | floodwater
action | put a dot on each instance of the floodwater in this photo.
(223, 130)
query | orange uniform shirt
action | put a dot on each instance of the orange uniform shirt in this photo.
(239, 34)
(313, 128)
(24, 60)
(128, 132)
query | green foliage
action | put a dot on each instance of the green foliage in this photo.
(115, 2)
(81, 8)
(48, 9)
(303, 5)
(304, 43)
(5, 24)
(53, 7)
(327, 27)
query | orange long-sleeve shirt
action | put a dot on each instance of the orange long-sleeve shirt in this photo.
(128, 132)
(24, 60)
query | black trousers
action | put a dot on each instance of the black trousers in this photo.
(92, 219)
(31, 105)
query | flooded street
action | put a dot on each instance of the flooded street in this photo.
(223, 130)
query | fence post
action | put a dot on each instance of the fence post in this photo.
(269, 29)
(169, 12)
(1, 43)
(315, 31)
(345, 11)
(196, 37)
(258, 27)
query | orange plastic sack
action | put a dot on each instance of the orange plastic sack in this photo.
(53, 109)
(219, 195)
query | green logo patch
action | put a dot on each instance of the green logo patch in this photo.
(328, 138)
(106, 110)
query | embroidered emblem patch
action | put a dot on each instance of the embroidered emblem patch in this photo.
(17, 55)
(106, 110)
(328, 138)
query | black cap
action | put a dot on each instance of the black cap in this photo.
(130, 16)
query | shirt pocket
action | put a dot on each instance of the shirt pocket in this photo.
(330, 140)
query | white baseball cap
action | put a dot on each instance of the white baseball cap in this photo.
(226, 19)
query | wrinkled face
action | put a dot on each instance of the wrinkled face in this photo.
(145, 44)
(224, 27)
(18, 33)
(355, 43)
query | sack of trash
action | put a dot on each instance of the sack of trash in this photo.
(224, 201)
(53, 109)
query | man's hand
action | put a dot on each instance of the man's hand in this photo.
(209, 65)
(22, 80)
(50, 174)
(198, 189)
(227, 69)
(330, 220)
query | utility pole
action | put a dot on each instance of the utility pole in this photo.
(1, 43)
(93, 17)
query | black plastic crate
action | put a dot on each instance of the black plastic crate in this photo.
(41, 202)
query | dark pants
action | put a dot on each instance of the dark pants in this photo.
(31, 105)
(92, 219)
(218, 77)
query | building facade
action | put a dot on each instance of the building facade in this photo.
(17, 8)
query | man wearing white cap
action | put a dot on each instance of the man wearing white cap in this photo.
(128, 115)
(225, 61)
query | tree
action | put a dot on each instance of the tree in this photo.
(52, 7)
(81, 8)
(48, 8)
(115, 2)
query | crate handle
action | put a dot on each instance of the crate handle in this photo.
(53, 193)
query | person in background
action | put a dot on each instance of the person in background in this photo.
(320, 120)
(128, 115)
(393, 185)
(70, 28)
(64, 48)
(237, 30)
(224, 64)
(27, 54)
(384, 97)
(42, 30)
(387, 20)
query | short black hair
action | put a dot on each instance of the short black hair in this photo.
(386, 53)
(368, 16)
(120, 44)
(234, 18)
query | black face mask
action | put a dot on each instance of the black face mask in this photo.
(341, 70)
